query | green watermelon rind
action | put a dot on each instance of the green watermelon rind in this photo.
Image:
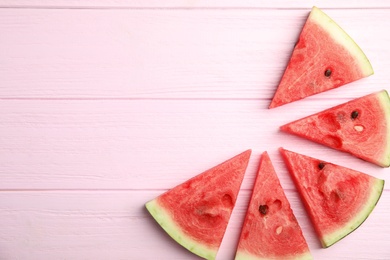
(341, 37)
(352, 225)
(165, 220)
(247, 256)
(384, 101)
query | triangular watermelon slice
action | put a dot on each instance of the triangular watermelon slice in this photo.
(360, 127)
(270, 229)
(325, 57)
(337, 199)
(196, 212)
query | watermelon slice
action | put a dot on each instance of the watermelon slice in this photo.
(270, 229)
(325, 57)
(338, 199)
(360, 127)
(196, 212)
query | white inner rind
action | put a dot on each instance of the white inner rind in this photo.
(360, 217)
(384, 100)
(341, 37)
(166, 222)
(247, 256)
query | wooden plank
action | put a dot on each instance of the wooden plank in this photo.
(115, 225)
(189, 4)
(145, 144)
(218, 53)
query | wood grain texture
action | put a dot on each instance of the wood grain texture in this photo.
(143, 144)
(115, 225)
(177, 54)
(191, 4)
(107, 104)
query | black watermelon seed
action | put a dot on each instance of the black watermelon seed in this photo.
(321, 165)
(328, 72)
(263, 209)
(354, 114)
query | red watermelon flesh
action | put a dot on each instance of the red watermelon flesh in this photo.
(270, 229)
(196, 212)
(325, 57)
(359, 127)
(338, 199)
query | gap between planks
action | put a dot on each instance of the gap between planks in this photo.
(200, 8)
(115, 190)
(155, 98)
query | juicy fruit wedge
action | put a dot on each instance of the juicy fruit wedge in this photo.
(360, 127)
(337, 199)
(196, 212)
(270, 230)
(325, 57)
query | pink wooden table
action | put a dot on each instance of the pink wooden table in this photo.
(106, 104)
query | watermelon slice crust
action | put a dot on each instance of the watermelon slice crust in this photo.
(270, 229)
(196, 213)
(360, 127)
(325, 57)
(337, 199)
